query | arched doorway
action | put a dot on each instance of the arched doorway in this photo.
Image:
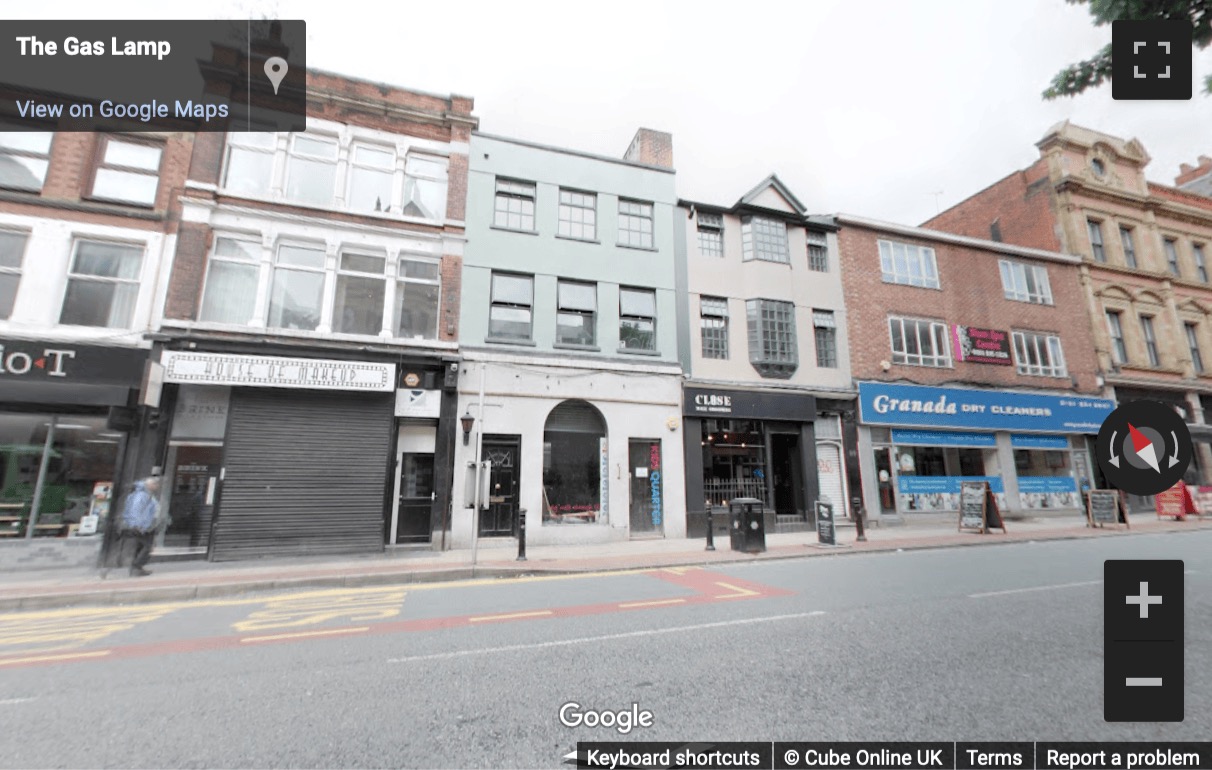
(574, 438)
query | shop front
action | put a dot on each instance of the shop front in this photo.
(62, 436)
(919, 444)
(755, 444)
(278, 455)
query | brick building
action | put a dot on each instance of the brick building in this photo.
(1144, 261)
(87, 226)
(308, 347)
(974, 361)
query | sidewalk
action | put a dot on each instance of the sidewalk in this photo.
(183, 580)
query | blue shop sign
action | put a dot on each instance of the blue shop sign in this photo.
(1019, 441)
(943, 438)
(944, 485)
(963, 408)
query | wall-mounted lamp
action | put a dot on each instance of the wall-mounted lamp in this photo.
(467, 420)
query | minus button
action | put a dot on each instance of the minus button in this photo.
(1143, 681)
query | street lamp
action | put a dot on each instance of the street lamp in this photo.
(467, 420)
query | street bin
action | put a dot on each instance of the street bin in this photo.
(747, 524)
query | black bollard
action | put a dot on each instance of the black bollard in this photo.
(857, 504)
(710, 533)
(521, 534)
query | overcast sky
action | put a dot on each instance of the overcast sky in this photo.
(891, 109)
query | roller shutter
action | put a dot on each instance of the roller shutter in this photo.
(305, 473)
(829, 477)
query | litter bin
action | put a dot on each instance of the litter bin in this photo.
(747, 524)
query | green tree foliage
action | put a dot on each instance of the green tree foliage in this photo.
(1076, 78)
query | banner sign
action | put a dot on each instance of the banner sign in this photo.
(1020, 441)
(748, 404)
(274, 372)
(920, 485)
(981, 346)
(411, 402)
(943, 438)
(921, 406)
(69, 362)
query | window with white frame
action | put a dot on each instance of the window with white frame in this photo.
(825, 328)
(296, 293)
(1039, 354)
(232, 276)
(513, 208)
(510, 315)
(908, 264)
(12, 255)
(1115, 326)
(578, 215)
(637, 319)
(818, 252)
(713, 323)
(128, 171)
(919, 342)
(102, 285)
(764, 239)
(372, 171)
(1025, 283)
(24, 158)
(635, 224)
(250, 163)
(361, 290)
(311, 169)
(773, 350)
(418, 292)
(576, 313)
(711, 234)
(425, 187)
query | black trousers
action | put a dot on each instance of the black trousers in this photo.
(140, 545)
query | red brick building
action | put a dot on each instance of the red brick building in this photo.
(972, 358)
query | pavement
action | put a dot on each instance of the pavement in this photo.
(184, 580)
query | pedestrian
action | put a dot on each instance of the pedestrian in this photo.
(139, 521)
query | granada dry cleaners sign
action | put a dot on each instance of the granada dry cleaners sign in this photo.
(920, 406)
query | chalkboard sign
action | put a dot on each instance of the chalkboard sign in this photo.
(972, 505)
(824, 524)
(1105, 506)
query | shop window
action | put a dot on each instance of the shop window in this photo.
(232, 275)
(371, 172)
(103, 285)
(576, 316)
(908, 264)
(250, 162)
(128, 172)
(510, 314)
(919, 343)
(311, 169)
(24, 158)
(713, 325)
(711, 235)
(418, 291)
(425, 187)
(513, 208)
(734, 460)
(297, 292)
(764, 239)
(773, 350)
(578, 215)
(637, 319)
(361, 288)
(573, 451)
(12, 255)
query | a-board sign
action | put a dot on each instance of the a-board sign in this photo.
(978, 508)
(1105, 506)
(825, 532)
(1175, 501)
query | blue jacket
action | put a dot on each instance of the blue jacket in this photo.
(139, 511)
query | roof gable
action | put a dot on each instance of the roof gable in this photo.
(772, 194)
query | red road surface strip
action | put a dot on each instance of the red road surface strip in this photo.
(711, 587)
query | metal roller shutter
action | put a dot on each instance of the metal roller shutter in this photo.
(829, 477)
(305, 473)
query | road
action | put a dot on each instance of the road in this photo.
(986, 643)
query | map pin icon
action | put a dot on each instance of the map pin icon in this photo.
(275, 70)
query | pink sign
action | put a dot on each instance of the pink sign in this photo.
(985, 346)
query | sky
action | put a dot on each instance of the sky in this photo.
(888, 109)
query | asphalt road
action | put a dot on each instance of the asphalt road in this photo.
(988, 643)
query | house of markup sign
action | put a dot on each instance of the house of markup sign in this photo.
(273, 372)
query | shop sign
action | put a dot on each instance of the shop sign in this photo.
(916, 405)
(201, 413)
(1048, 492)
(418, 403)
(943, 438)
(58, 362)
(1019, 441)
(981, 346)
(941, 493)
(273, 372)
(654, 482)
(748, 404)
(603, 480)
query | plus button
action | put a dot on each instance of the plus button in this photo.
(1144, 600)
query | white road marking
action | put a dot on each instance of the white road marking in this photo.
(14, 701)
(1144, 681)
(602, 638)
(1035, 588)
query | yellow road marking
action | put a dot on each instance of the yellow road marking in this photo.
(47, 634)
(65, 656)
(656, 603)
(291, 610)
(535, 614)
(304, 634)
(737, 592)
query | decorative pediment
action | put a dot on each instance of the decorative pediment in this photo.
(772, 194)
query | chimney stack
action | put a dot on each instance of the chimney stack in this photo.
(652, 148)
(1197, 179)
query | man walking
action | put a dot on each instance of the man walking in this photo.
(139, 522)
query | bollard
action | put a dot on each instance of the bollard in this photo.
(710, 533)
(521, 534)
(857, 504)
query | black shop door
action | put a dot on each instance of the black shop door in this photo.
(500, 517)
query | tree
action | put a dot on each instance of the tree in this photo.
(1076, 78)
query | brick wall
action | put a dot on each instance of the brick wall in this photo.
(1020, 204)
(189, 270)
(971, 295)
(208, 158)
(452, 289)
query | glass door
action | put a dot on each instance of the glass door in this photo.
(415, 498)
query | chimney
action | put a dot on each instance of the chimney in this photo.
(652, 148)
(1196, 179)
